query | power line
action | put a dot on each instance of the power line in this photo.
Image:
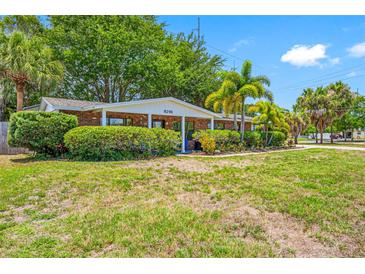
(328, 82)
(325, 76)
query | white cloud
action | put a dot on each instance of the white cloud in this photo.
(305, 56)
(238, 44)
(357, 50)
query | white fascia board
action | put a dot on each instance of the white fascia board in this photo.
(146, 101)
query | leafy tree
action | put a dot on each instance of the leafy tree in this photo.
(106, 57)
(183, 69)
(27, 61)
(270, 117)
(28, 24)
(121, 58)
(354, 118)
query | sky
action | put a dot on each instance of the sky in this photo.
(295, 52)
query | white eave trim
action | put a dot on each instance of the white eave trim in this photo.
(145, 101)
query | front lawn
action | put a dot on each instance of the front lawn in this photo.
(308, 203)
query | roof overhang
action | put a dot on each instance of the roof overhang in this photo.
(111, 106)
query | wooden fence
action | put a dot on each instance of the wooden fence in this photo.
(4, 148)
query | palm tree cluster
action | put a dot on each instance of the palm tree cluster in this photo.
(235, 89)
(324, 105)
(270, 118)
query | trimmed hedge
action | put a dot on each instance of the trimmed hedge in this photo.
(41, 132)
(104, 143)
(225, 140)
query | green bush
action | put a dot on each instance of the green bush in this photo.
(41, 132)
(253, 139)
(276, 138)
(226, 140)
(120, 143)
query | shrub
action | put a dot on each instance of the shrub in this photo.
(41, 132)
(208, 144)
(253, 139)
(276, 138)
(226, 140)
(120, 143)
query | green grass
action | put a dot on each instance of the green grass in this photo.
(264, 205)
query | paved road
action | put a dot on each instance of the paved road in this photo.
(333, 147)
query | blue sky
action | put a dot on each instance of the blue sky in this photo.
(293, 51)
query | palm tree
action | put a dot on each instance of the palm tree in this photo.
(224, 100)
(27, 61)
(341, 99)
(270, 117)
(297, 123)
(240, 86)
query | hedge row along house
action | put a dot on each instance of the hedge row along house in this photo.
(168, 113)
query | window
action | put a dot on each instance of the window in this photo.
(158, 123)
(119, 121)
(217, 125)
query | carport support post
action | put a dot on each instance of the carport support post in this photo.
(212, 123)
(103, 118)
(149, 120)
(183, 134)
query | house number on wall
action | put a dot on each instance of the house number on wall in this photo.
(168, 111)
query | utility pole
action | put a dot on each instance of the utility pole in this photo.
(198, 30)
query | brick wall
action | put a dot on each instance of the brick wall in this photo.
(92, 118)
(86, 118)
(229, 125)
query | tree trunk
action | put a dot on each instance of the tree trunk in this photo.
(235, 127)
(344, 135)
(243, 121)
(352, 135)
(19, 96)
(316, 133)
(267, 134)
(2, 105)
(321, 132)
(331, 134)
(296, 139)
(106, 96)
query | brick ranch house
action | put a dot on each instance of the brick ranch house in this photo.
(168, 112)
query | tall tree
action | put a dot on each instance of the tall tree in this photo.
(27, 61)
(224, 100)
(251, 87)
(120, 58)
(325, 105)
(341, 99)
(183, 69)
